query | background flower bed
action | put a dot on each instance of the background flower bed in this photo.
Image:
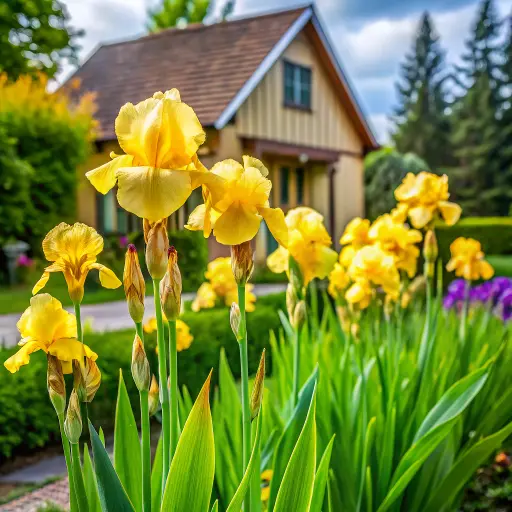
(27, 418)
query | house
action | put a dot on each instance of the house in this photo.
(267, 85)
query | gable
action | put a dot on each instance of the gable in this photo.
(328, 125)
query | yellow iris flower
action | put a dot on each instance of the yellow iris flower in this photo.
(156, 175)
(371, 265)
(183, 337)
(398, 240)
(356, 233)
(360, 294)
(221, 285)
(309, 244)
(73, 250)
(424, 195)
(265, 477)
(467, 260)
(235, 217)
(338, 280)
(46, 326)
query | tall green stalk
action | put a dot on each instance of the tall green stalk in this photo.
(67, 455)
(296, 366)
(78, 479)
(78, 322)
(145, 434)
(173, 376)
(246, 406)
(162, 374)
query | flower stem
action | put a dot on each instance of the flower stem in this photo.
(67, 456)
(296, 366)
(78, 322)
(145, 451)
(78, 479)
(173, 375)
(464, 314)
(246, 407)
(164, 391)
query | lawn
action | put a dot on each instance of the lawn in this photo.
(16, 299)
(502, 264)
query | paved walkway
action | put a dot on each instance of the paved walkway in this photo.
(110, 316)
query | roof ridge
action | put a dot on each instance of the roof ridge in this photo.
(202, 26)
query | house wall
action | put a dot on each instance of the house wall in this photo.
(327, 126)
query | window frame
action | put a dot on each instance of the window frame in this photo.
(298, 85)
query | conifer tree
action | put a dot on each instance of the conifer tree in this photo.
(475, 119)
(422, 125)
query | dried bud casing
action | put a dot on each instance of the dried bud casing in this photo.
(157, 246)
(257, 390)
(242, 262)
(79, 381)
(292, 299)
(299, 315)
(170, 287)
(56, 384)
(134, 284)
(430, 248)
(73, 421)
(141, 371)
(92, 378)
(153, 398)
(235, 321)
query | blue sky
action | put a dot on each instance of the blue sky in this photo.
(370, 36)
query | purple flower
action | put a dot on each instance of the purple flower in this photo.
(24, 261)
(123, 241)
(504, 306)
(456, 288)
(481, 293)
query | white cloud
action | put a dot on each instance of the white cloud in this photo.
(381, 127)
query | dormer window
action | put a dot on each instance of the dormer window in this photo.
(297, 86)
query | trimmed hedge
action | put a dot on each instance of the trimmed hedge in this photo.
(27, 419)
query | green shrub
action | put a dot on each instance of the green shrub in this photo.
(27, 419)
(494, 233)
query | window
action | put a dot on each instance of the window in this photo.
(299, 173)
(297, 85)
(284, 182)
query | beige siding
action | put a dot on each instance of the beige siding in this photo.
(327, 126)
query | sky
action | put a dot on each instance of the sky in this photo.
(371, 37)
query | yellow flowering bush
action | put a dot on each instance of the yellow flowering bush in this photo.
(183, 339)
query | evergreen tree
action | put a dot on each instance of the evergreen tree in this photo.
(476, 130)
(505, 181)
(422, 125)
(35, 36)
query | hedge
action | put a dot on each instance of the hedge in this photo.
(27, 419)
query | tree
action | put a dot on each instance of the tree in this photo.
(476, 137)
(505, 122)
(35, 36)
(176, 12)
(422, 125)
(384, 170)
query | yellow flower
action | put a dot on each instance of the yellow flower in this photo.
(371, 265)
(46, 326)
(356, 233)
(183, 337)
(338, 280)
(347, 255)
(398, 240)
(221, 285)
(156, 175)
(360, 294)
(308, 243)
(468, 260)
(265, 477)
(205, 298)
(73, 250)
(235, 217)
(424, 195)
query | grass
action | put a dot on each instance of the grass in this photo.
(17, 299)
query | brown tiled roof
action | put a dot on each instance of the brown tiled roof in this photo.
(207, 63)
